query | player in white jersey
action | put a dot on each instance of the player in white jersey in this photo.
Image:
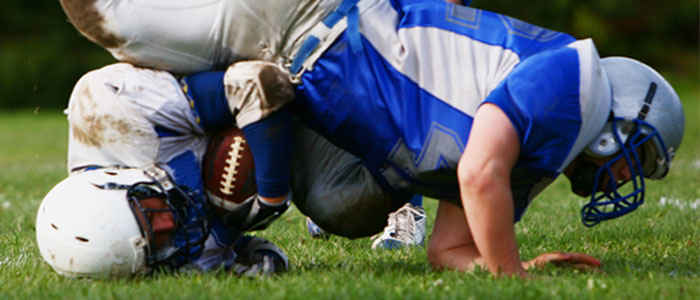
(431, 77)
(133, 200)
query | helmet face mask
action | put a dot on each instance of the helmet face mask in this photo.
(611, 198)
(189, 215)
(156, 250)
(646, 129)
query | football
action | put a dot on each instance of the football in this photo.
(228, 169)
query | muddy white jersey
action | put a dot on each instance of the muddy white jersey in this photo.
(194, 35)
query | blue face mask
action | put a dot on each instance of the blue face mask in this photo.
(609, 198)
(191, 223)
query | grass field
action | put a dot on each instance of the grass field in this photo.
(652, 254)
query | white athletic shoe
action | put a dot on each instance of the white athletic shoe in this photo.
(406, 228)
(315, 231)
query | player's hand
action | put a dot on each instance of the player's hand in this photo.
(258, 256)
(254, 214)
(577, 260)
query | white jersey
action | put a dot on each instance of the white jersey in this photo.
(128, 116)
(194, 35)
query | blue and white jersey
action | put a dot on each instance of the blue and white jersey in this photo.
(405, 102)
(122, 115)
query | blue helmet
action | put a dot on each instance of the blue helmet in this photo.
(645, 129)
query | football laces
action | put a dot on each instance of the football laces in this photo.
(228, 178)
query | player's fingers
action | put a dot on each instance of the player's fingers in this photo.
(582, 258)
(551, 257)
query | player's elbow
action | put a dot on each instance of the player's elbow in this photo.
(478, 180)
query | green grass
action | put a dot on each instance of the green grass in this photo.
(652, 254)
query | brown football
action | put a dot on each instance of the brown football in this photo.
(228, 170)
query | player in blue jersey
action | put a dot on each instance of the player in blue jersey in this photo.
(483, 111)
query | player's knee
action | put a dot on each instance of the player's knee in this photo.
(87, 18)
(434, 255)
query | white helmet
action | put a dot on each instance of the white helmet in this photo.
(86, 225)
(646, 128)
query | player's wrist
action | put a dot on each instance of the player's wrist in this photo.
(276, 201)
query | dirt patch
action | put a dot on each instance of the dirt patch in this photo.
(91, 131)
(276, 86)
(85, 17)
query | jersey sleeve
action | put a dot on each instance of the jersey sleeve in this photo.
(207, 99)
(542, 100)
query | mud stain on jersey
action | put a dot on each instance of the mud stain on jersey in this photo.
(94, 129)
(277, 88)
(98, 129)
(88, 128)
(88, 20)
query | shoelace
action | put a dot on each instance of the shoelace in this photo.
(402, 223)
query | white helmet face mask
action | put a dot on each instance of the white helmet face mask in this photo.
(645, 130)
(87, 224)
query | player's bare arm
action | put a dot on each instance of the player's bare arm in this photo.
(452, 246)
(484, 180)
(483, 234)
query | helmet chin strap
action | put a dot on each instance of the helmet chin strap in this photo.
(647, 101)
